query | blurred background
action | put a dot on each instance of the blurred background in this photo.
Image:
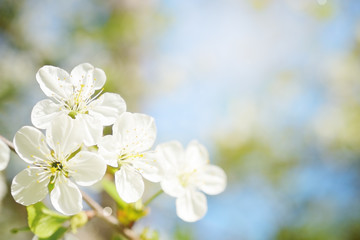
(270, 87)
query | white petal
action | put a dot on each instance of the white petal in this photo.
(192, 206)
(66, 196)
(99, 78)
(55, 82)
(4, 155)
(108, 107)
(129, 184)
(196, 155)
(109, 150)
(91, 129)
(137, 131)
(63, 135)
(44, 112)
(30, 144)
(86, 168)
(87, 77)
(172, 186)
(212, 179)
(171, 156)
(3, 187)
(28, 188)
(148, 166)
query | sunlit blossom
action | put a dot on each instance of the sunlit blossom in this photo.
(55, 161)
(187, 173)
(74, 95)
(128, 149)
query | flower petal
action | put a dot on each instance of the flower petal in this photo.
(66, 196)
(107, 108)
(91, 129)
(196, 155)
(44, 112)
(63, 135)
(137, 131)
(171, 156)
(30, 144)
(212, 179)
(129, 184)
(87, 77)
(148, 166)
(109, 150)
(3, 187)
(192, 206)
(55, 82)
(172, 186)
(4, 155)
(28, 188)
(86, 168)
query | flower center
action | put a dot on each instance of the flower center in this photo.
(126, 158)
(80, 100)
(56, 166)
(185, 178)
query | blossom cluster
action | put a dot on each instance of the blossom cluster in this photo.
(73, 151)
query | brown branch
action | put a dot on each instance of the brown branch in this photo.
(90, 214)
(99, 212)
(9, 143)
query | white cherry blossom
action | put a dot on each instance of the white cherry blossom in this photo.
(56, 160)
(127, 148)
(73, 94)
(186, 174)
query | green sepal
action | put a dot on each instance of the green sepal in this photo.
(44, 222)
(132, 213)
(78, 221)
(149, 234)
(112, 170)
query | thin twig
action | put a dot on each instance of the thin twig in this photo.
(90, 214)
(7, 142)
(153, 197)
(99, 211)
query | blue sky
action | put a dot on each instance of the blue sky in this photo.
(216, 55)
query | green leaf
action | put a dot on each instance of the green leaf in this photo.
(44, 222)
(57, 235)
(110, 189)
